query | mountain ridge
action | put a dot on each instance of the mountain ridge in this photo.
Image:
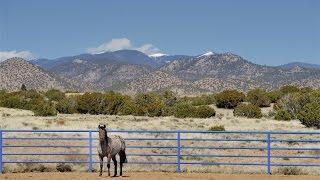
(208, 72)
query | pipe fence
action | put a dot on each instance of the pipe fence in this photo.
(181, 148)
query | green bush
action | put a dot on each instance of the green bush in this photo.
(293, 102)
(44, 109)
(283, 115)
(258, 97)
(247, 110)
(184, 110)
(92, 103)
(67, 105)
(229, 99)
(203, 112)
(217, 128)
(55, 95)
(150, 104)
(13, 102)
(114, 102)
(289, 89)
(274, 96)
(310, 114)
(169, 98)
(201, 100)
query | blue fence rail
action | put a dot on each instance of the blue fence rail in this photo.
(179, 144)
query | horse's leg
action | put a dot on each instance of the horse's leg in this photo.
(115, 165)
(101, 165)
(108, 164)
(122, 160)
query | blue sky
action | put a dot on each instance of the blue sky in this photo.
(266, 32)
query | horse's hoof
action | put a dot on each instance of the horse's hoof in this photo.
(100, 174)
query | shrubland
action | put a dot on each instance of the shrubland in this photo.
(290, 102)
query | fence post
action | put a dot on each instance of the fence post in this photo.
(1, 168)
(90, 152)
(269, 153)
(178, 152)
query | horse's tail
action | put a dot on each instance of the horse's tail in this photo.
(122, 153)
(123, 156)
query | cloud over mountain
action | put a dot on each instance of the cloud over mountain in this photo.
(123, 43)
(4, 55)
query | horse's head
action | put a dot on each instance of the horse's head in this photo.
(102, 132)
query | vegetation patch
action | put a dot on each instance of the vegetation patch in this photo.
(229, 99)
(217, 128)
(247, 110)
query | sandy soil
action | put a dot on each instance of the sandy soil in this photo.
(152, 176)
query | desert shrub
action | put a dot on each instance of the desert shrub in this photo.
(115, 102)
(274, 96)
(32, 167)
(29, 100)
(247, 110)
(13, 102)
(203, 112)
(61, 167)
(150, 104)
(289, 89)
(290, 171)
(217, 128)
(54, 95)
(169, 98)
(293, 102)
(44, 109)
(258, 97)
(306, 90)
(130, 108)
(23, 87)
(183, 110)
(229, 99)
(202, 100)
(92, 103)
(283, 115)
(310, 114)
(67, 105)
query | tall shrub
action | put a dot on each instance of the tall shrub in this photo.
(229, 99)
(258, 97)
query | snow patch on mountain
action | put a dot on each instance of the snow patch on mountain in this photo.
(157, 55)
(210, 53)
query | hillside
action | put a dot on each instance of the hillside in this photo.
(16, 71)
(300, 64)
(130, 71)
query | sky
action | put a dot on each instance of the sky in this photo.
(269, 32)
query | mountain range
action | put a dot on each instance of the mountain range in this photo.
(131, 72)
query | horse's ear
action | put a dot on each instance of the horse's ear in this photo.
(104, 126)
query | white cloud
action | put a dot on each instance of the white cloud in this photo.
(120, 44)
(113, 45)
(4, 55)
(148, 49)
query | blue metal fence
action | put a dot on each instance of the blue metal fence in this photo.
(178, 148)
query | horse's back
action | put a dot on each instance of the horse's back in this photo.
(117, 144)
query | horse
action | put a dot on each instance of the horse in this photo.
(110, 146)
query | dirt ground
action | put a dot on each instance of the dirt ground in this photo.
(153, 176)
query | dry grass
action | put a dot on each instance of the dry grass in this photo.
(21, 119)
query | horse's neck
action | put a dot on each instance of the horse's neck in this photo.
(105, 141)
